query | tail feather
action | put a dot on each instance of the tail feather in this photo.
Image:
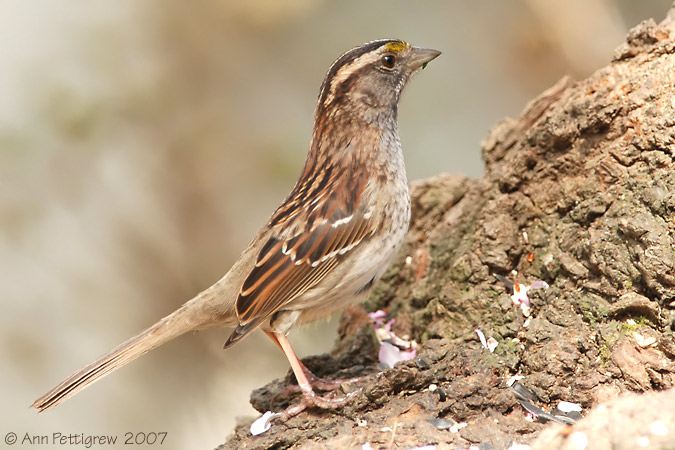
(163, 331)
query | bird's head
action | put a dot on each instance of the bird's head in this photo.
(368, 80)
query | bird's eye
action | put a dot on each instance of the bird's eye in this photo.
(389, 61)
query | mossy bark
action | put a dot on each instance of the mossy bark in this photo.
(579, 191)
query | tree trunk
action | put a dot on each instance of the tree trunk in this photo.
(579, 192)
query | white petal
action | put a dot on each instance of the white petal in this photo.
(481, 336)
(513, 379)
(568, 407)
(539, 284)
(492, 344)
(263, 423)
(390, 354)
(519, 296)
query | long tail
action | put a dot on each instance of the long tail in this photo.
(187, 318)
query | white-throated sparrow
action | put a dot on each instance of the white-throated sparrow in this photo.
(328, 242)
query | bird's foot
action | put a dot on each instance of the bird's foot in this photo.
(310, 398)
(321, 384)
(305, 380)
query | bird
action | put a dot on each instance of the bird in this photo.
(328, 242)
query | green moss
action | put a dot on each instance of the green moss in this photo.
(594, 310)
(590, 318)
(493, 293)
(606, 341)
(628, 329)
(613, 332)
(604, 353)
(425, 336)
(509, 346)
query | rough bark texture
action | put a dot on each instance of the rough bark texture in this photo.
(580, 192)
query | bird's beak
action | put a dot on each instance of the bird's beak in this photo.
(421, 57)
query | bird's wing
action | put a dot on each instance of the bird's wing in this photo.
(314, 230)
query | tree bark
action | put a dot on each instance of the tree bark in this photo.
(579, 192)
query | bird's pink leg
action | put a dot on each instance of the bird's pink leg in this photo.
(310, 398)
(323, 384)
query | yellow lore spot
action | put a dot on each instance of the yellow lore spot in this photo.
(396, 46)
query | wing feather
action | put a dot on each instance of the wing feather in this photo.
(321, 221)
(308, 258)
(272, 264)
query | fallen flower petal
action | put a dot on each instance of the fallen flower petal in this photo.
(513, 379)
(519, 296)
(378, 317)
(390, 354)
(458, 426)
(481, 336)
(644, 341)
(492, 344)
(402, 343)
(525, 309)
(263, 424)
(407, 355)
(519, 293)
(382, 334)
(489, 344)
(539, 284)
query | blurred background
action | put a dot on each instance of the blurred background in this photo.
(142, 145)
